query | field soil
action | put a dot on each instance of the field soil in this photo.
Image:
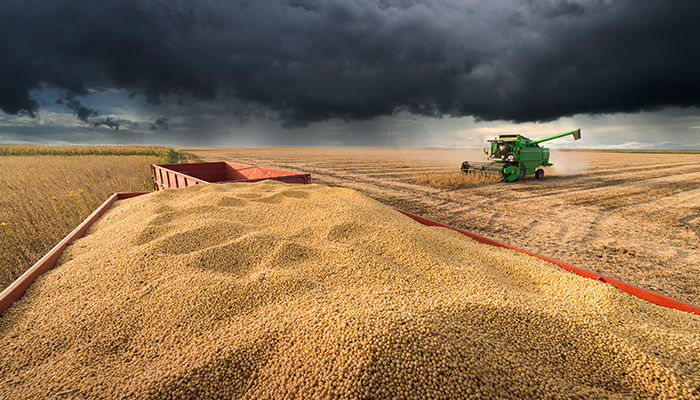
(630, 216)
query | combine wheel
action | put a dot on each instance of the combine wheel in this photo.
(522, 172)
(539, 174)
(511, 173)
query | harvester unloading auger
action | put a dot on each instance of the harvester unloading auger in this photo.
(514, 156)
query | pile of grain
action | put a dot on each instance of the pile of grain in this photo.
(277, 291)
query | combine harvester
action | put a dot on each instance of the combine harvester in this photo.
(514, 156)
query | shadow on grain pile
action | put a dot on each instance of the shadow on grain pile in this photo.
(270, 290)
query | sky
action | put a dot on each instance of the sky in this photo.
(419, 73)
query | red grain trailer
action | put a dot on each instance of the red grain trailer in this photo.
(171, 176)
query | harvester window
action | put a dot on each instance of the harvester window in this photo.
(503, 149)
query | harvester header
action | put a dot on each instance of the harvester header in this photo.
(514, 156)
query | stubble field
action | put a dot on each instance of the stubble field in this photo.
(630, 216)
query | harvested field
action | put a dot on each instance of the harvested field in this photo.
(630, 216)
(269, 290)
(454, 180)
(44, 197)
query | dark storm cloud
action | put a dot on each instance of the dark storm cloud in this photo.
(160, 123)
(313, 60)
(81, 111)
(111, 122)
(89, 115)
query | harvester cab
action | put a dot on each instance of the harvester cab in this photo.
(515, 156)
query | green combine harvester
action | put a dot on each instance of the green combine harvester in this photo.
(514, 156)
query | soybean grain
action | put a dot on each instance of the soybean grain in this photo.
(276, 291)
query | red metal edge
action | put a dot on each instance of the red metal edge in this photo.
(159, 183)
(17, 288)
(651, 297)
(155, 167)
